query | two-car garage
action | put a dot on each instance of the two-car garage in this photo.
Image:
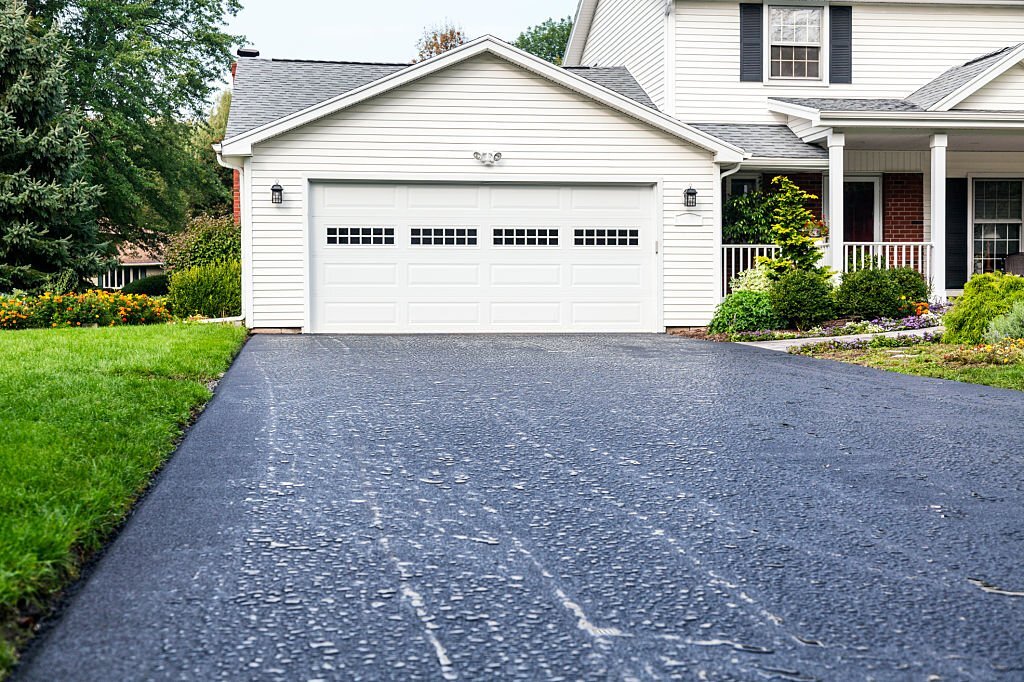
(497, 257)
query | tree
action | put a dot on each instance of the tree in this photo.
(438, 40)
(47, 220)
(547, 40)
(796, 230)
(140, 70)
(212, 194)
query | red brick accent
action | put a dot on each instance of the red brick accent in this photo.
(236, 197)
(811, 183)
(234, 67)
(903, 207)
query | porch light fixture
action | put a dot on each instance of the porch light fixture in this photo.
(277, 193)
(691, 197)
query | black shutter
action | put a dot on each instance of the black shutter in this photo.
(841, 44)
(751, 42)
(956, 233)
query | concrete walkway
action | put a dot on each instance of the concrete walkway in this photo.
(784, 345)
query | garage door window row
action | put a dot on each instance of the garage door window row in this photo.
(606, 237)
(443, 236)
(525, 236)
(360, 236)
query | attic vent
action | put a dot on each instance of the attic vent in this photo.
(248, 52)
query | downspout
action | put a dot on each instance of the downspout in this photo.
(719, 268)
(246, 286)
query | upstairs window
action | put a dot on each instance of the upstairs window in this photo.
(795, 40)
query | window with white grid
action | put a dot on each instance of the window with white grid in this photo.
(606, 236)
(795, 40)
(360, 236)
(998, 222)
(526, 236)
(443, 236)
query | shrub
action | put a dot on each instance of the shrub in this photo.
(1007, 326)
(95, 307)
(748, 219)
(754, 279)
(213, 290)
(745, 311)
(876, 293)
(802, 297)
(795, 229)
(154, 285)
(206, 240)
(985, 298)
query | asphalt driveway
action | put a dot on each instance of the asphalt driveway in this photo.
(576, 507)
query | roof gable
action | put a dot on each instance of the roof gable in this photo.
(573, 79)
(959, 82)
(1004, 93)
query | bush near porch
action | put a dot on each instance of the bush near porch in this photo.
(985, 298)
(69, 476)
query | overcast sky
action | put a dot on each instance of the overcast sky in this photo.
(378, 30)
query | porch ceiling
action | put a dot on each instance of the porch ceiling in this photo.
(959, 140)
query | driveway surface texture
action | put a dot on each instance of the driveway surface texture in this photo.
(567, 507)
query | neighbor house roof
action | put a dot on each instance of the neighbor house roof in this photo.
(134, 254)
(266, 90)
(770, 141)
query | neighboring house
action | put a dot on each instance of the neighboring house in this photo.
(487, 190)
(133, 263)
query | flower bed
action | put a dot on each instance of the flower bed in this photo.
(840, 328)
(901, 341)
(1005, 352)
(92, 308)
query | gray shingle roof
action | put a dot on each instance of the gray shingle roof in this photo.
(764, 140)
(841, 104)
(265, 90)
(952, 80)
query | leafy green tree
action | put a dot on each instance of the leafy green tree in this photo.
(141, 69)
(796, 230)
(47, 222)
(547, 40)
(212, 194)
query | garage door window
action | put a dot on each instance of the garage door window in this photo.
(525, 236)
(607, 237)
(360, 236)
(443, 236)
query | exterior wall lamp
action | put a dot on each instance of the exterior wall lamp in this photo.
(277, 194)
(690, 196)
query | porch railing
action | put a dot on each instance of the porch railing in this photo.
(889, 255)
(858, 256)
(739, 257)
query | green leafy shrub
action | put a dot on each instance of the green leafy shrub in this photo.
(754, 279)
(802, 297)
(748, 218)
(206, 241)
(95, 307)
(213, 290)
(795, 229)
(745, 311)
(874, 293)
(1007, 326)
(154, 285)
(985, 298)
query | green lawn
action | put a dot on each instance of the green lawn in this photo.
(86, 417)
(929, 360)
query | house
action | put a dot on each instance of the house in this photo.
(133, 263)
(487, 190)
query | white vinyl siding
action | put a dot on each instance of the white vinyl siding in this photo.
(431, 128)
(896, 50)
(1004, 93)
(631, 33)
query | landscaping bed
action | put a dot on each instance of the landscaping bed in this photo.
(86, 418)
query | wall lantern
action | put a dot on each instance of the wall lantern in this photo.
(277, 194)
(691, 197)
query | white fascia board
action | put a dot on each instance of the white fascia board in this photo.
(795, 110)
(928, 119)
(241, 145)
(767, 163)
(581, 25)
(1011, 59)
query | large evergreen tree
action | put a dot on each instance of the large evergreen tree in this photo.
(143, 70)
(47, 221)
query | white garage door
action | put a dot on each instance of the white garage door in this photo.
(482, 258)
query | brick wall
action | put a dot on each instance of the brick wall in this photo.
(236, 198)
(903, 207)
(808, 182)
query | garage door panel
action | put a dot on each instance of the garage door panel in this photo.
(514, 265)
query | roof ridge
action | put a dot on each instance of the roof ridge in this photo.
(335, 61)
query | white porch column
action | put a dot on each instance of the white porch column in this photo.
(834, 211)
(939, 142)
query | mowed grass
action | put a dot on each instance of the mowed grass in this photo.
(86, 417)
(930, 360)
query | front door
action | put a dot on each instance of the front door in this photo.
(859, 217)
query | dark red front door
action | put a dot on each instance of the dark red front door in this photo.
(859, 212)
